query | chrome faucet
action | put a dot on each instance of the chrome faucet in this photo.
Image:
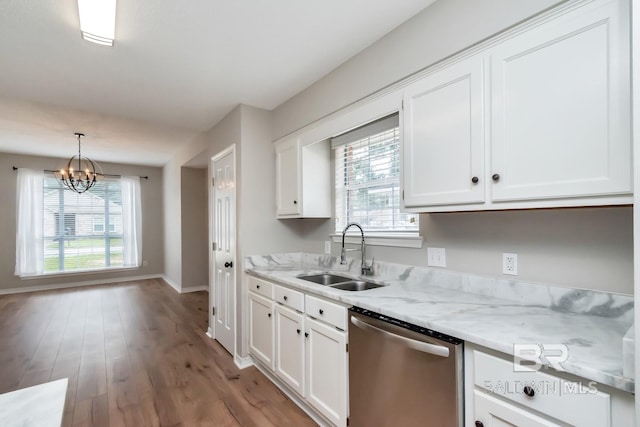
(366, 270)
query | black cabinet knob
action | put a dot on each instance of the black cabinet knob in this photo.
(285, 298)
(479, 424)
(306, 334)
(475, 180)
(269, 314)
(295, 202)
(321, 311)
(228, 264)
(495, 177)
(298, 331)
(529, 391)
(258, 286)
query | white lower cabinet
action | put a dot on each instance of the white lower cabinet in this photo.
(261, 328)
(290, 345)
(303, 341)
(492, 412)
(327, 370)
(499, 393)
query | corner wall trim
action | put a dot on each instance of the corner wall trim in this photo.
(243, 362)
(78, 284)
(171, 283)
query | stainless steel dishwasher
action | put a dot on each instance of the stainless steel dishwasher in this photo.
(402, 374)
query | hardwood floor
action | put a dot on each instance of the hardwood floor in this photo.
(135, 354)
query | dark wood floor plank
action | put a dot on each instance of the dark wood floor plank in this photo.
(135, 355)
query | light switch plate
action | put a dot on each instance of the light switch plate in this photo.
(436, 257)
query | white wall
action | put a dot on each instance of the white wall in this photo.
(585, 248)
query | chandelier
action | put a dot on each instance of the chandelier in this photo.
(83, 177)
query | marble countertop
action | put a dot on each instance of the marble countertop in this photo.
(41, 405)
(490, 312)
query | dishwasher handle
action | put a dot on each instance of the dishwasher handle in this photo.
(424, 347)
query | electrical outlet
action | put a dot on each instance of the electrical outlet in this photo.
(436, 257)
(327, 247)
(510, 264)
(145, 263)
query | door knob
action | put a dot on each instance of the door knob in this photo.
(479, 424)
(228, 264)
(475, 180)
(495, 177)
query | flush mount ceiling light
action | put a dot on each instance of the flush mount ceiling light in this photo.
(84, 176)
(98, 20)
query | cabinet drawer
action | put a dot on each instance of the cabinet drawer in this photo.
(288, 297)
(260, 287)
(576, 403)
(326, 311)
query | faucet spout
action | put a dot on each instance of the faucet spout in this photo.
(365, 269)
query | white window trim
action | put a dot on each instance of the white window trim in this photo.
(72, 273)
(396, 240)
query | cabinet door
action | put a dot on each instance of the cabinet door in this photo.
(560, 108)
(492, 412)
(288, 177)
(443, 137)
(290, 348)
(261, 328)
(327, 360)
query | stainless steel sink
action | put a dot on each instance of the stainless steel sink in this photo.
(324, 278)
(356, 285)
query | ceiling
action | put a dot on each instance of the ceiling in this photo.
(176, 68)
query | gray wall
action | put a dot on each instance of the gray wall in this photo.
(586, 248)
(195, 225)
(172, 209)
(152, 219)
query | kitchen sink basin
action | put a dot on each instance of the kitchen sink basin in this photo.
(356, 285)
(324, 278)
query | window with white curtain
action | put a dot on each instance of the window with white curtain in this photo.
(367, 180)
(66, 231)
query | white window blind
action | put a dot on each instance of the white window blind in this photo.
(367, 165)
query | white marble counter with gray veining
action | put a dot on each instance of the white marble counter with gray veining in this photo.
(492, 312)
(41, 405)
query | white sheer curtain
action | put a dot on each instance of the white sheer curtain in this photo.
(29, 227)
(131, 221)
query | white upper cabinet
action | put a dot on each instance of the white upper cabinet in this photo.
(443, 137)
(560, 115)
(540, 116)
(303, 179)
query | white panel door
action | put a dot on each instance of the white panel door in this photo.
(290, 345)
(288, 177)
(492, 412)
(443, 137)
(560, 108)
(326, 357)
(224, 236)
(261, 329)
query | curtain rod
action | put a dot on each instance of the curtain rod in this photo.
(100, 174)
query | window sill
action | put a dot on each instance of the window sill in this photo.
(392, 240)
(77, 273)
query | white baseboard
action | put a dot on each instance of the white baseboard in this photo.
(78, 284)
(194, 289)
(209, 333)
(242, 362)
